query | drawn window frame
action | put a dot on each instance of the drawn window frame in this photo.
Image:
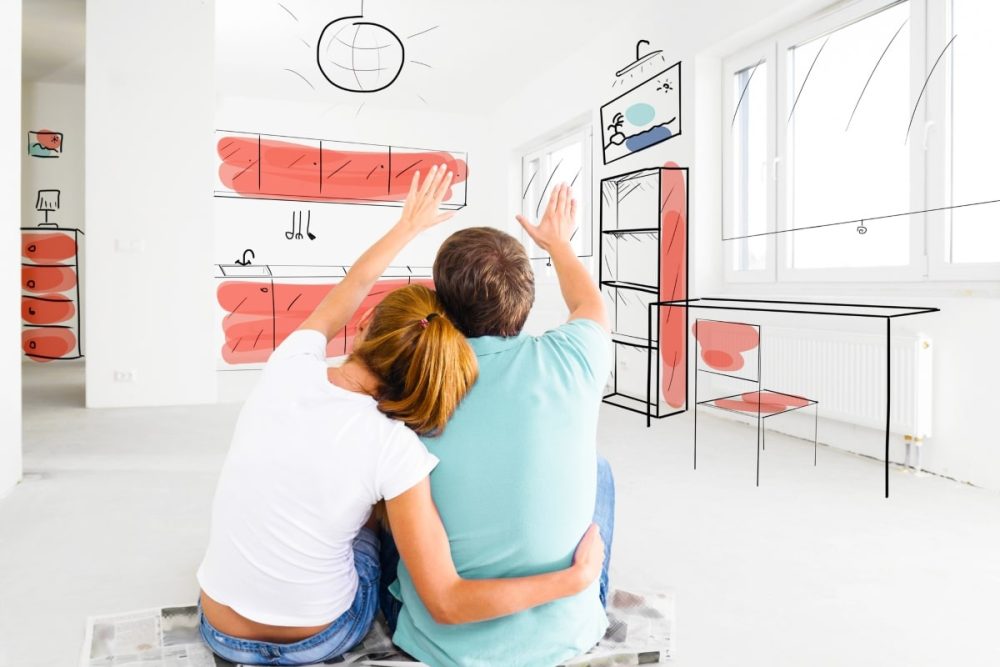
(928, 152)
(540, 151)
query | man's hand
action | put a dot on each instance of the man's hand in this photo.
(422, 207)
(589, 557)
(558, 221)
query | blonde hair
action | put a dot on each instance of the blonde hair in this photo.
(424, 365)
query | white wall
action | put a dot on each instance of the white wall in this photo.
(58, 107)
(149, 110)
(11, 148)
(700, 34)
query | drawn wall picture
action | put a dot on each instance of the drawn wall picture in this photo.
(643, 116)
(45, 143)
(261, 166)
(262, 304)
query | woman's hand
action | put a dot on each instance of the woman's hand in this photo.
(558, 221)
(423, 203)
(589, 557)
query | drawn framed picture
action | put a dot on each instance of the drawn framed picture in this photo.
(645, 115)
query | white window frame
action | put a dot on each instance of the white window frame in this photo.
(764, 52)
(929, 153)
(540, 150)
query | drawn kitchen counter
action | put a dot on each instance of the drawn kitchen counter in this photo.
(262, 304)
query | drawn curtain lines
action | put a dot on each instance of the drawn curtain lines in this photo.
(859, 222)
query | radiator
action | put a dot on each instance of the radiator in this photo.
(846, 373)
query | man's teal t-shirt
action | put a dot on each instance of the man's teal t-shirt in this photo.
(515, 488)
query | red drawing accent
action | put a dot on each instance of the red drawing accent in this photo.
(47, 344)
(288, 170)
(770, 402)
(47, 246)
(47, 278)
(673, 283)
(49, 309)
(49, 139)
(723, 343)
(258, 320)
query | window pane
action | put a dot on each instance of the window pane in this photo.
(849, 108)
(567, 163)
(975, 230)
(750, 180)
(563, 161)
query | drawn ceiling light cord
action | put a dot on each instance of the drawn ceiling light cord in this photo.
(860, 222)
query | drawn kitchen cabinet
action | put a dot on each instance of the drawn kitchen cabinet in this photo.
(51, 314)
(262, 304)
(644, 259)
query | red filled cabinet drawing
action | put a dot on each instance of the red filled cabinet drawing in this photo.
(51, 314)
(262, 304)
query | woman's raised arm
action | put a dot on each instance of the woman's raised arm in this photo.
(421, 211)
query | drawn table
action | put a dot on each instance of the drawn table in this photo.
(826, 309)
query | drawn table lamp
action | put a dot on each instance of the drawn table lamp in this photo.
(47, 201)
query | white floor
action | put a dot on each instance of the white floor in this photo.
(812, 568)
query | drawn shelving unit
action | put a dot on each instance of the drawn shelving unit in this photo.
(50, 293)
(644, 257)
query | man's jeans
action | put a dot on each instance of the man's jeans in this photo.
(604, 517)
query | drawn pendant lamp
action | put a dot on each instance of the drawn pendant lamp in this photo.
(359, 56)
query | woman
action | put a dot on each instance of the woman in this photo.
(291, 574)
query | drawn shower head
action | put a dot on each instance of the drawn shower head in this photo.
(641, 60)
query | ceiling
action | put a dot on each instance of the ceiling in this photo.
(53, 37)
(460, 55)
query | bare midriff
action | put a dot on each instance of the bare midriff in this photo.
(226, 620)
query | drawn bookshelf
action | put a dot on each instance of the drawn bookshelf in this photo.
(643, 258)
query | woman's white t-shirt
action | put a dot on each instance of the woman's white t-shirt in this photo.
(307, 462)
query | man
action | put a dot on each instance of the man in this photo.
(518, 474)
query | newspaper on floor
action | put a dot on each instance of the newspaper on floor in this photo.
(640, 632)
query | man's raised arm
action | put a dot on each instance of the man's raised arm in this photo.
(552, 235)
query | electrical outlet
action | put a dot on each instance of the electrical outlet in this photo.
(125, 376)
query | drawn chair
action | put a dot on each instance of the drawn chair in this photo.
(733, 350)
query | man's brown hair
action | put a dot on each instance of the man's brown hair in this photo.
(484, 280)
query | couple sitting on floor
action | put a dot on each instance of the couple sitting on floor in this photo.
(494, 542)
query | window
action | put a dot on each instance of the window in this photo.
(858, 146)
(566, 159)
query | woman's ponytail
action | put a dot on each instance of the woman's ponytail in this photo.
(425, 364)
